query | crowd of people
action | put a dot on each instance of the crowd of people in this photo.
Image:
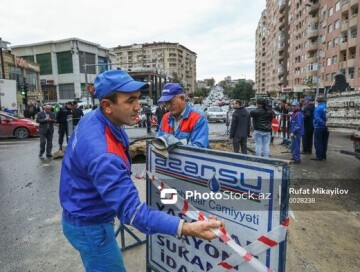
(301, 124)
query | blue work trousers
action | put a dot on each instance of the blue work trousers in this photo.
(97, 246)
(321, 136)
(295, 148)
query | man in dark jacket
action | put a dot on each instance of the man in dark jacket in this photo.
(240, 127)
(321, 133)
(262, 118)
(61, 118)
(76, 113)
(308, 114)
(160, 111)
(46, 120)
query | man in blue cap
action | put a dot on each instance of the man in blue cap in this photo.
(184, 122)
(296, 131)
(96, 185)
(308, 114)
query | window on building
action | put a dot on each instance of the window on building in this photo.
(335, 42)
(330, 28)
(334, 59)
(29, 58)
(103, 64)
(15, 73)
(336, 24)
(331, 11)
(45, 63)
(337, 6)
(89, 59)
(67, 91)
(64, 62)
(328, 61)
(329, 44)
(353, 32)
(351, 73)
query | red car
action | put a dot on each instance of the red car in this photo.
(20, 128)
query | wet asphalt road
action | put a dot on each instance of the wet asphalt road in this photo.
(31, 237)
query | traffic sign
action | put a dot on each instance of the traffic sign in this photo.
(275, 124)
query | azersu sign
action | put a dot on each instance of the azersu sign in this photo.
(250, 194)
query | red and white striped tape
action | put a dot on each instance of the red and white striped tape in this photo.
(263, 243)
(190, 211)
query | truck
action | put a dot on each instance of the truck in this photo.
(8, 94)
(343, 113)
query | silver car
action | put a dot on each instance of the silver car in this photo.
(215, 114)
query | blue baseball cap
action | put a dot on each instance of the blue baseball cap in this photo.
(295, 103)
(308, 98)
(169, 91)
(116, 81)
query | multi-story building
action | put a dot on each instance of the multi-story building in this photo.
(24, 72)
(171, 59)
(320, 40)
(260, 52)
(66, 66)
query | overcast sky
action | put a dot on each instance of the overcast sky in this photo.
(220, 32)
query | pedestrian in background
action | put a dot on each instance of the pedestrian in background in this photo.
(262, 118)
(96, 184)
(61, 118)
(308, 113)
(160, 111)
(182, 121)
(321, 133)
(76, 113)
(296, 131)
(46, 119)
(240, 127)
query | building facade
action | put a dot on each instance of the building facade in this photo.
(25, 73)
(319, 39)
(171, 60)
(67, 66)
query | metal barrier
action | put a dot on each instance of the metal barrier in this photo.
(280, 126)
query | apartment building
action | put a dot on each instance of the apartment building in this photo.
(260, 55)
(320, 40)
(170, 59)
(62, 66)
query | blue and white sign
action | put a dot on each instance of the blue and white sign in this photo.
(249, 193)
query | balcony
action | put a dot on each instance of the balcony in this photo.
(342, 64)
(311, 33)
(352, 42)
(312, 47)
(313, 8)
(311, 59)
(345, 5)
(313, 20)
(281, 46)
(344, 26)
(353, 21)
(350, 63)
(343, 46)
(281, 71)
(281, 5)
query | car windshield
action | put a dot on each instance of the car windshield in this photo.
(215, 109)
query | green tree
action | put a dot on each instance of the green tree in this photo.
(243, 91)
(210, 82)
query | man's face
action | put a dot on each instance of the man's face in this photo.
(176, 105)
(125, 110)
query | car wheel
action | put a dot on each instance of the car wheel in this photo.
(21, 133)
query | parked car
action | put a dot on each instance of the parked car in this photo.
(215, 114)
(20, 128)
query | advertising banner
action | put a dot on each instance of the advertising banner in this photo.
(249, 193)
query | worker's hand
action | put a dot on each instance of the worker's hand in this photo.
(292, 135)
(202, 229)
